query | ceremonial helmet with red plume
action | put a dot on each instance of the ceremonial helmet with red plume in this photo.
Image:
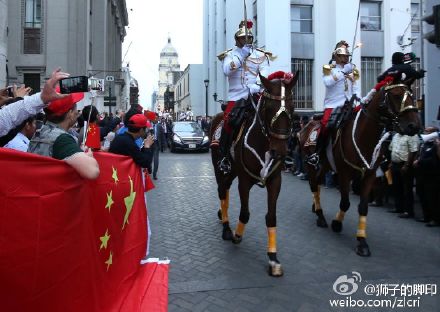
(243, 28)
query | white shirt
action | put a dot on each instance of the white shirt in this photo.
(241, 81)
(339, 90)
(20, 143)
(14, 114)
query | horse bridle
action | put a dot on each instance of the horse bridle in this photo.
(276, 133)
(393, 117)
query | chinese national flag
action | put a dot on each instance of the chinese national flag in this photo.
(93, 136)
(69, 244)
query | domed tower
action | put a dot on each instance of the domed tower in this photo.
(169, 71)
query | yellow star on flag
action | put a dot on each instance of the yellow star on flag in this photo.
(129, 200)
(115, 175)
(109, 261)
(110, 201)
(104, 240)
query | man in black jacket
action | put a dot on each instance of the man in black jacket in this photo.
(124, 144)
(400, 67)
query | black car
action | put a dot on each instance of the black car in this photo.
(188, 136)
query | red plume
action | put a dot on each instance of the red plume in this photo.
(384, 82)
(249, 24)
(276, 75)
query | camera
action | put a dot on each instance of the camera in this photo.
(10, 91)
(74, 84)
(80, 84)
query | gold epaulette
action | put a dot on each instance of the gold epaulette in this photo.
(327, 69)
(270, 55)
(356, 74)
(221, 56)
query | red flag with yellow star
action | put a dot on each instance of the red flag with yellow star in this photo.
(70, 244)
(93, 139)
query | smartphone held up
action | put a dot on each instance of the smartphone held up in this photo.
(80, 84)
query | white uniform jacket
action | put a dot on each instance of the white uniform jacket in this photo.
(338, 88)
(242, 76)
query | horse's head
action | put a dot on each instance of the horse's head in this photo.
(398, 107)
(276, 110)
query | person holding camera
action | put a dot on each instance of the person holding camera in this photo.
(13, 115)
(125, 144)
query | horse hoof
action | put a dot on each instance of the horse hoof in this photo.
(313, 208)
(362, 249)
(219, 214)
(227, 234)
(321, 222)
(336, 226)
(236, 239)
(275, 269)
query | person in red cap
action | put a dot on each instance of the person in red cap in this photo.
(55, 141)
(124, 144)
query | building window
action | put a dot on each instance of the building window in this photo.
(33, 14)
(371, 68)
(415, 17)
(32, 27)
(417, 86)
(303, 91)
(90, 52)
(301, 18)
(370, 15)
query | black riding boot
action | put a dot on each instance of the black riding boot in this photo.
(224, 164)
(314, 158)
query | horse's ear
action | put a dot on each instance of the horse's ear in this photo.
(409, 81)
(264, 81)
(295, 79)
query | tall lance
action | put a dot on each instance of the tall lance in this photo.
(245, 22)
(355, 32)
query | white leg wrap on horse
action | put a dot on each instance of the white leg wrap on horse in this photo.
(272, 239)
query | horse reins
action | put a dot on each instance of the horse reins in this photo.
(282, 98)
(268, 163)
(377, 148)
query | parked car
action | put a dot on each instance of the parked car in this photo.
(188, 136)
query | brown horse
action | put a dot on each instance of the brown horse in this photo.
(355, 149)
(258, 152)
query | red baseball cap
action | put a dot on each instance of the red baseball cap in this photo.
(62, 106)
(137, 121)
(150, 115)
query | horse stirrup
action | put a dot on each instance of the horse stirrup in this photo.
(224, 165)
(313, 160)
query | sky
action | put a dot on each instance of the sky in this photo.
(150, 23)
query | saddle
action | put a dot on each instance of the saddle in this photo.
(340, 115)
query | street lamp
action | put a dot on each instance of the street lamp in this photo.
(206, 81)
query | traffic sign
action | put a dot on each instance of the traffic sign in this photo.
(109, 100)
